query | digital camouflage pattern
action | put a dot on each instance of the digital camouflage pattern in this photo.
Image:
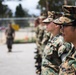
(48, 71)
(64, 50)
(58, 57)
(68, 67)
(46, 37)
(40, 32)
(68, 17)
(40, 29)
(50, 57)
(54, 55)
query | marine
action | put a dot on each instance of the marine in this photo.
(10, 35)
(39, 32)
(56, 45)
(68, 25)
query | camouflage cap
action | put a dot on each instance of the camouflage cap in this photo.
(47, 20)
(69, 15)
(69, 9)
(62, 20)
(51, 13)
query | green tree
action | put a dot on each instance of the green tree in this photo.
(53, 5)
(4, 10)
(20, 12)
(71, 2)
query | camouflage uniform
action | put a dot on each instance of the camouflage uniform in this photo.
(66, 55)
(68, 66)
(49, 65)
(52, 55)
(50, 59)
(47, 34)
(67, 60)
(37, 32)
(9, 32)
(41, 30)
(46, 37)
(39, 37)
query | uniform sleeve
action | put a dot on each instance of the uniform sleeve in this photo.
(68, 67)
(64, 50)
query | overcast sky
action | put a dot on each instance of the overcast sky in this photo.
(30, 5)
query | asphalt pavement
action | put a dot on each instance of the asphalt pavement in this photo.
(18, 62)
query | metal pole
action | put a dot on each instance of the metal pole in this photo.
(47, 6)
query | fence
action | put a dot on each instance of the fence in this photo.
(26, 32)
